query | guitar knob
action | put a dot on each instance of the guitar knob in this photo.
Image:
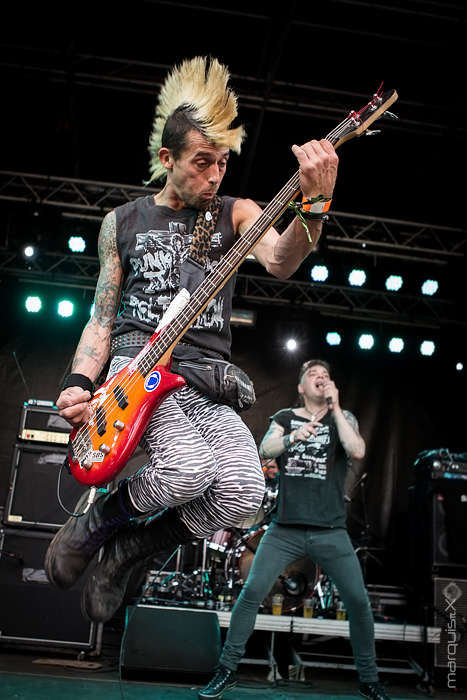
(105, 449)
(119, 425)
(87, 464)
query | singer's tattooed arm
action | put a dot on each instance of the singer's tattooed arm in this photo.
(349, 435)
(274, 442)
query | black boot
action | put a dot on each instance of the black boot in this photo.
(76, 543)
(223, 680)
(136, 542)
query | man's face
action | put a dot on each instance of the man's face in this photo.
(312, 382)
(198, 173)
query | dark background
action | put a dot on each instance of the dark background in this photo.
(58, 120)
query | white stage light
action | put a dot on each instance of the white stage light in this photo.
(291, 344)
(333, 338)
(65, 308)
(319, 273)
(393, 283)
(430, 287)
(77, 244)
(396, 345)
(427, 348)
(366, 341)
(357, 278)
(33, 304)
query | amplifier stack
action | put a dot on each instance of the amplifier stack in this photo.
(32, 611)
(438, 509)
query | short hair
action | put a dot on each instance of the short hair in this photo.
(312, 363)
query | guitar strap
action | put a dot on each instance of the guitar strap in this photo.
(192, 271)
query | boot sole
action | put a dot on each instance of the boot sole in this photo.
(219, 695)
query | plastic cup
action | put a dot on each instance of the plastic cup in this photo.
(277, 601)
(308, 607)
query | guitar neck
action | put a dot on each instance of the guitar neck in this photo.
(219, 275)
(354, 125)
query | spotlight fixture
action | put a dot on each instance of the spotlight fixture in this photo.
(427, 348)
(357, 278)
(333, 338)
(366, 341)
(65, 308)
(33, 304)
(459, 366)
(29, 252)
(291, 344)
(319, 273)
(396, 345)
(393, 283)
(77, 244)
(430, 287)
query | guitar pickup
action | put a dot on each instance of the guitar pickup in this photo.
(101, 422)
(121, 397)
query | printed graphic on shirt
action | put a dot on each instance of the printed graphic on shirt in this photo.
(309, 459)
(156, 265)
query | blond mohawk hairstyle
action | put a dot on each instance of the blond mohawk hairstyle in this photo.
(201, 88)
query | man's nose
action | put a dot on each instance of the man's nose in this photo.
(214, 173)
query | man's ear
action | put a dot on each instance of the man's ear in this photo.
(165, 158)
(300, 389)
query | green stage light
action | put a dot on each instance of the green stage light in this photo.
(396, 345)
(33, 304)
(65, 308)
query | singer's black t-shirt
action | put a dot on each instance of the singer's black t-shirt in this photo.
(312, 475)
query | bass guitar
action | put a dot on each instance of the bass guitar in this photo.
(122, 407)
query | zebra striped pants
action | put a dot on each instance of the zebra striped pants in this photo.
(202, 460)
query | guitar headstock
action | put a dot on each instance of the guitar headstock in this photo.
(357, 123)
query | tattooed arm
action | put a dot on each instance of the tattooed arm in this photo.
(275, 442)
(347, 425)
(94, 346)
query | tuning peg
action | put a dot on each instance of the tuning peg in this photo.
(390, 115)
(367, 132)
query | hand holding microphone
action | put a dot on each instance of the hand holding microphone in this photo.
(331, 393)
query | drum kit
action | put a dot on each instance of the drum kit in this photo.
(223, 565)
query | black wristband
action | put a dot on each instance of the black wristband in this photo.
(78, 380)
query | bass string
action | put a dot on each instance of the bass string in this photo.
(176, 328)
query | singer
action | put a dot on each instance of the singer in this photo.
(312, 445)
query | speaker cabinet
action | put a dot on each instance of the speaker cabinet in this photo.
(450, 605)
(438, 516)
(32, 611)
(32, 500)
(168, 639)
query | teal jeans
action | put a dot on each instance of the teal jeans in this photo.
(329, 548)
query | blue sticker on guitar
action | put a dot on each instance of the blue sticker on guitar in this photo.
(152, 381)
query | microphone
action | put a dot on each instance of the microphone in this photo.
(329, 402)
